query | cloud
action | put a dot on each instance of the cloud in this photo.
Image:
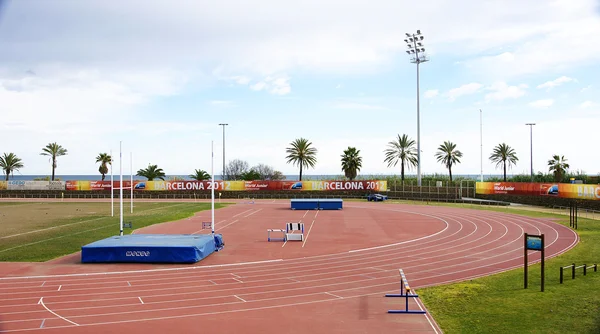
(431, 93)
(556, 82)
(542, 103)
(588, 104)
(467, 89)
(278, 85)
(361, 106)
(221, 103)
(502, 91)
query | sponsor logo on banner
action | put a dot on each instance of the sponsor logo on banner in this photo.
(35, 185)
(137, 253)
(562, 190)
(3, 185)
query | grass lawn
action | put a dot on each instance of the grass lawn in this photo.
(500, 304)
(35, 232)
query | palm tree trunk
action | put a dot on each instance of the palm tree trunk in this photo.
(402, 172)
(7, 174)
(504, 165)
(103, 176)
(450, 172)
(300, 172)
(53, 164)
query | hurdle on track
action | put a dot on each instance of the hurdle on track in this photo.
(288, 232)
(574, 268)
(248, 200)
(206, 225)
(405, 291)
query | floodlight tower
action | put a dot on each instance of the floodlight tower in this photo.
(416, 50)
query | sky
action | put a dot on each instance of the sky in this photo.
(159, 77)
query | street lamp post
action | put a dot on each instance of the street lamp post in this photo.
(223, 173)
(531, 146)
(416, 50)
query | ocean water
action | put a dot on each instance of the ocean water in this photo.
(98, 177)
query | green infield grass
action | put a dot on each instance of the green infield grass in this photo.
(35, 232)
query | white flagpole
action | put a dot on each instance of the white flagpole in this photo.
(131, 179)
(212, 188)
(121, 188)
(112, 200)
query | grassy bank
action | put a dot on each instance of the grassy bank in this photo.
(35, 232)
(500, 304)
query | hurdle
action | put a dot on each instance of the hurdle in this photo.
(206, 225)
(574, 268)
(405, 291)
(275, 230)
(294, 227)
(248, 200)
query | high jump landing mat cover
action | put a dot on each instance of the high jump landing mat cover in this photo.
(152, 248)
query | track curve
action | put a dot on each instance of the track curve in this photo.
(324, 286)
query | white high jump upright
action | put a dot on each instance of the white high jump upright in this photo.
(131, 179)
(112, 201)
(212, 188)
(121, 188)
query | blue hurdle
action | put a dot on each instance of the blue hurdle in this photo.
(404, 292)
(206, 225)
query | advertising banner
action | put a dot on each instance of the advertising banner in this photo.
(231, 185)
(3, 185)
(35, 185)
(562, 190)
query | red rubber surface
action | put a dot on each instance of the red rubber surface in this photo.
(333, 282)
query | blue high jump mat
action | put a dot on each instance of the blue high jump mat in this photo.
(152, 248)
(316, 204)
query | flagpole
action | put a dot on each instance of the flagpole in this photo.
(121, 188)
(131, 179)
(212, 188)
(112, 201)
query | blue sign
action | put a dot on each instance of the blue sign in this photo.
(534, 243)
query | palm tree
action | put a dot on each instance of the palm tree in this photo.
(448, 155)
(404, 151)
(558, 165)
(104, 159)
(351, 162)
(151, 173)
(200, 175)
(302, 154)
(53, 150)
(504, 155)
(10, 163)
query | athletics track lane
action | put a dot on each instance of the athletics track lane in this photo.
(343, 290)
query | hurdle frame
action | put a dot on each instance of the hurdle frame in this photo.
(574, 269)
(405, 290)
(206, 225)
(269, 239)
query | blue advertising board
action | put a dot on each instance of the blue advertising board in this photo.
(534, 242)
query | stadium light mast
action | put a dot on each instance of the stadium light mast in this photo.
(531, 146)
(223, 173)
(416, 50)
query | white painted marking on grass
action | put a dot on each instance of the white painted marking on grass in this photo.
(212, 282)
(141, 301)
(307, 234)
(239, 298)
(43, 284)
(41, 302)
(42, 325)
(60, 286)
(331, 294)
(237, 280)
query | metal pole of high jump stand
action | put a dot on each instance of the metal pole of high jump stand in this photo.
(212, 190)
(121, 187)
(131, 179)
(112, 200)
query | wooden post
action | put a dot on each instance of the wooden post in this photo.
(525, 266)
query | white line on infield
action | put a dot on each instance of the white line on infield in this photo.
(141, 301)
(41, 302)
(239, 298)
(331, 294)
(310, 228)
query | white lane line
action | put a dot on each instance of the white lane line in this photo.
(212, 282)
(141, 301)
(237, 280)
(285, 242)
(239, 298)
(236, 275)
(42, 325)
(128, 283)
(243, 212)
(43, 284)
(305, 214)
(307, 234)
(60, 286)
(41, 302)
(331, 294)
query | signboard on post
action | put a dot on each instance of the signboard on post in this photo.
(536, 243)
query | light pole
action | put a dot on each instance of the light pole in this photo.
(223, 173)
(416, 49)
(531, 146)
(481, 141)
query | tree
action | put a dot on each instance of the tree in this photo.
(10, 163)
(302, 154)
(151, 173)
(504, 155)
(558, 165)
(277, 175)
(250, 175)
(235, 168)
(265, 172)
(351, 162)
(104, 159)
(402, 150)
(200, 175)
(53, 150)
(448, 155)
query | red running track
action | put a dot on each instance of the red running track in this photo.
(333, 282)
